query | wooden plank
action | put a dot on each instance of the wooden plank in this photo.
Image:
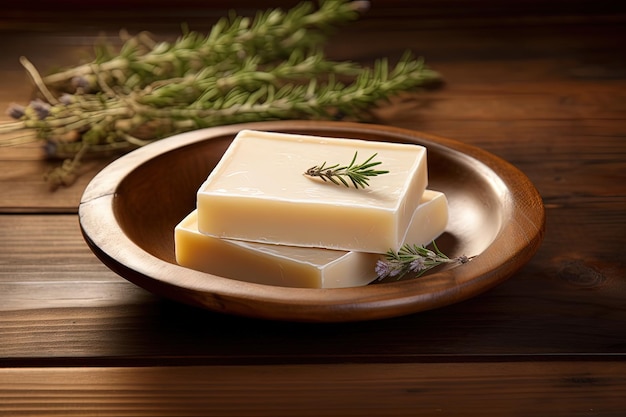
(430, 389)
(46, 249)
(24, 189)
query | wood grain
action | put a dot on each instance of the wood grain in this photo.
(531, 388)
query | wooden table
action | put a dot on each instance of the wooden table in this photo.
(543, 87)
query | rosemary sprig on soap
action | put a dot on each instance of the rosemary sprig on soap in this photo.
(358, 174)
(414, 259)
(270, 67)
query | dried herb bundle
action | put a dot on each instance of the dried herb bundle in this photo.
(270, 67)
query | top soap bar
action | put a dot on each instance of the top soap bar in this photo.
(257, 192)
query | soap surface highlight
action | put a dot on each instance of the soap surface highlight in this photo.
(291, 266)
(258, 192)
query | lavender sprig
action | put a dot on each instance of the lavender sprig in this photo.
(413, 259)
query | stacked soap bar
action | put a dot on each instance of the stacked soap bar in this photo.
(260, 219)
(296, 266)
(257, 192)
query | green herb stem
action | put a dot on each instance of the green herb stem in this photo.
(358, 174)
(414, 259)
(272, 35)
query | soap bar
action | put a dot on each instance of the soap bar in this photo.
(257, 192)
(291, 266)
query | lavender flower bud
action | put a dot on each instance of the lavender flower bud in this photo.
(395, 268)
(66, 99)
(16, 111)
(416, 265)
(463, 259)
(41, 108)
(80, 83)
(382, 269)
(50, 148)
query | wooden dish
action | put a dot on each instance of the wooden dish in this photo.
(129, 210)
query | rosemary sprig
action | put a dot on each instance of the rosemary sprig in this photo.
(414, 259)
(357, 173)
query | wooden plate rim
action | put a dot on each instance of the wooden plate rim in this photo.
(108, 241)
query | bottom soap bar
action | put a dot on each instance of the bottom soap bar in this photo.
(291, 266)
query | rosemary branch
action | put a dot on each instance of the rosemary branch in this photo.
(357, 173)
(272, 35)
(414, 259)
(271, 67)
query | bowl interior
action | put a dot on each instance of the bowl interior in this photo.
(159, 192)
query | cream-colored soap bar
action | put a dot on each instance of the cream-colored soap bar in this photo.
(257, 192)
(291, 266)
